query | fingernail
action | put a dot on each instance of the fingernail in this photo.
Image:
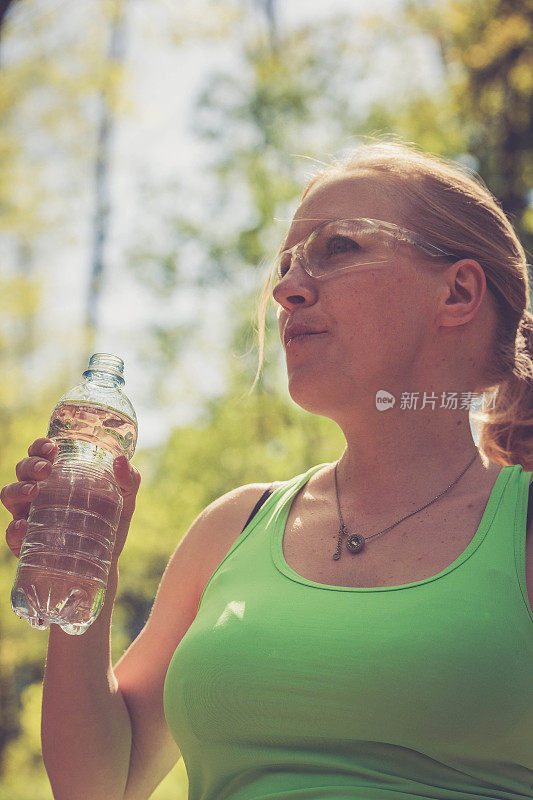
(47, 449)
(40, 465)
(27, 488)
(18, 524)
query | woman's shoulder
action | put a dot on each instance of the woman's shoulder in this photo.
(232, 505)
(229, 512)
(227, 516)
(220, 524)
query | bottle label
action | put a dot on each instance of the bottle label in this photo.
(96, 424)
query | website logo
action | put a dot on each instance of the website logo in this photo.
(384, 400)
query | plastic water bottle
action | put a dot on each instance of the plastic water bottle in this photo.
(65, 556)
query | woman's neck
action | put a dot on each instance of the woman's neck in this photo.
(413, 463)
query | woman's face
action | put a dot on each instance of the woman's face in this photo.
(377, 318)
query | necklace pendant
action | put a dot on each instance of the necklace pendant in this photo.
(355, 543)
(343, 530)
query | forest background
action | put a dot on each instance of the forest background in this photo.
(122, 233)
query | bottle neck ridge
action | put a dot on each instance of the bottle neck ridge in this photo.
(105, 366)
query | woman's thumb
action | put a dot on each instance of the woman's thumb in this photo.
(125, 475)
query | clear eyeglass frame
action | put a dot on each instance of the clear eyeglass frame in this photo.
(390, 230)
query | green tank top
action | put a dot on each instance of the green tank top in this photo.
(288, 689)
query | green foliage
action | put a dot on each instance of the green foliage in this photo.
(487, 51)
(46, 80)
(22, 756)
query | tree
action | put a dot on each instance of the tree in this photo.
(486, 48)
(293, 98)
(107, 104)
(4, 7)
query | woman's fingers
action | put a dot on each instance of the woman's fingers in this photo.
(15, 533)
(17, 498)
(41, 447)
(35, 468)
(42, 453)
(128, 479)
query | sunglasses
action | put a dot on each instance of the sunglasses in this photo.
(349, 243)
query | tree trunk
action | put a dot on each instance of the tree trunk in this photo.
(102, 209)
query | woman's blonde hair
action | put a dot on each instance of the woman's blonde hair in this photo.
(453, 208)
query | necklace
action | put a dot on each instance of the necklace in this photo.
(355, 543)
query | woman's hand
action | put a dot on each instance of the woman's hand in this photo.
(17, 497)
(128, 479)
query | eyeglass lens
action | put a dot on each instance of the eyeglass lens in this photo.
(342, 244)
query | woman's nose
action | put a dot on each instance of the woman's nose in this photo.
(296, 286)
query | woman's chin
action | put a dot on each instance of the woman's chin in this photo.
(317, 400)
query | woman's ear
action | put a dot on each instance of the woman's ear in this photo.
(465, 286)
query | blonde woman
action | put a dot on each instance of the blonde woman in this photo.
(368, 635)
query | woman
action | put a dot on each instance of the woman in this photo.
(368, 634)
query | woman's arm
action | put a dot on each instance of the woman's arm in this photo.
(85, 725)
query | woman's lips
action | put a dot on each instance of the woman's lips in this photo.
(300, 337)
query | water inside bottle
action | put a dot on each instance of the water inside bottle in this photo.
(65, 557)
(93, 423)
(70, 601)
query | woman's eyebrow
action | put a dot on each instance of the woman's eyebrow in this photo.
(303, 219)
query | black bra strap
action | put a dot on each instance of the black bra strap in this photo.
(266, 494)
